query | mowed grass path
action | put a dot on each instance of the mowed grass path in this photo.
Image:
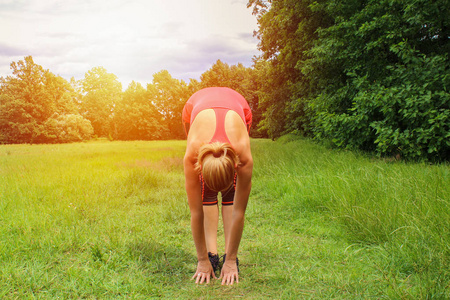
(110, 220)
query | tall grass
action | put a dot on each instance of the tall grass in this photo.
(110, 220)
(401, 210)
(84, 220)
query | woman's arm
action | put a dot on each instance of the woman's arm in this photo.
(243, 186)
(193, 191)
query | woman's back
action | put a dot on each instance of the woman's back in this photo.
(217, 114)
(204, 127)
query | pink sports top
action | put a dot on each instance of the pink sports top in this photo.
(221, 100)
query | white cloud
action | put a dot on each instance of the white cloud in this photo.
(132, 39)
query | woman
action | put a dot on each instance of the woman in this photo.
(218, 159)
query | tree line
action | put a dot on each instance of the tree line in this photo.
(359, 74)
(356, 74)
(37, 106)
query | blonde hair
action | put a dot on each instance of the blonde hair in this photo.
(216, 162)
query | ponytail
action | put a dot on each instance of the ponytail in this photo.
(216, 162)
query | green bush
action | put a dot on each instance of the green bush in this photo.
(368, 75)
(68, 128)
(407, 114)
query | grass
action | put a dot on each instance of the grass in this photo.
(108, 220)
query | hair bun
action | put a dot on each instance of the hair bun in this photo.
(219, 152)
(217, 162)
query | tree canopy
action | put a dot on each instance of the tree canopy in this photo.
(357, 74)
(100, 92)
(370, 75)
(37, 106)
(135, 117)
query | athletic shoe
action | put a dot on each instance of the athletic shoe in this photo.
(215, 260)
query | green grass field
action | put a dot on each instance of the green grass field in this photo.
(109, 220)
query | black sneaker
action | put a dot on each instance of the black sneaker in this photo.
(215, 260)
(237, 261)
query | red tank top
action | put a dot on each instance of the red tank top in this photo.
(221, 100)
(220, 135)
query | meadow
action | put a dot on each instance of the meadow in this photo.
(110, 220)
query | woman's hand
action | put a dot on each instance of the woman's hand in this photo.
(204, 272)
(229, 272)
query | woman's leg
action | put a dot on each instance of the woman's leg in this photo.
(210, 216)
(211, 223)
(227, 215)
(227, 212)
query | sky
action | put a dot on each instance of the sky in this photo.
(132, 39)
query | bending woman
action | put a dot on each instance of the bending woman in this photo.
(218, 159)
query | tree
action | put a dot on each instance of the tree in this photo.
(29, 99)
(287, 32)
(370, 75)
(136, 117)
(68, 128)
(169, 96)
(241, 79)
(101, 91)
(381, 72)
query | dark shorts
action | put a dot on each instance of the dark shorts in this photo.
(209, 197)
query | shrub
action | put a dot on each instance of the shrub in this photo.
(68, 128)
(407, 114)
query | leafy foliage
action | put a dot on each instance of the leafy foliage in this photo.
(239, 78)
(287, 31)
(101, 91)
(169, 96)
(415, 114)
(39, 107)
(370, 75)
(136, 117)
(34, 102)
(69, 128)
(392, 64)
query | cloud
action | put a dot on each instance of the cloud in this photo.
(133, 39)
(6, 50)
(191, 58)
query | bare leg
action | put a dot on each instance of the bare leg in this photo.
(227, 215)
(211, 224)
